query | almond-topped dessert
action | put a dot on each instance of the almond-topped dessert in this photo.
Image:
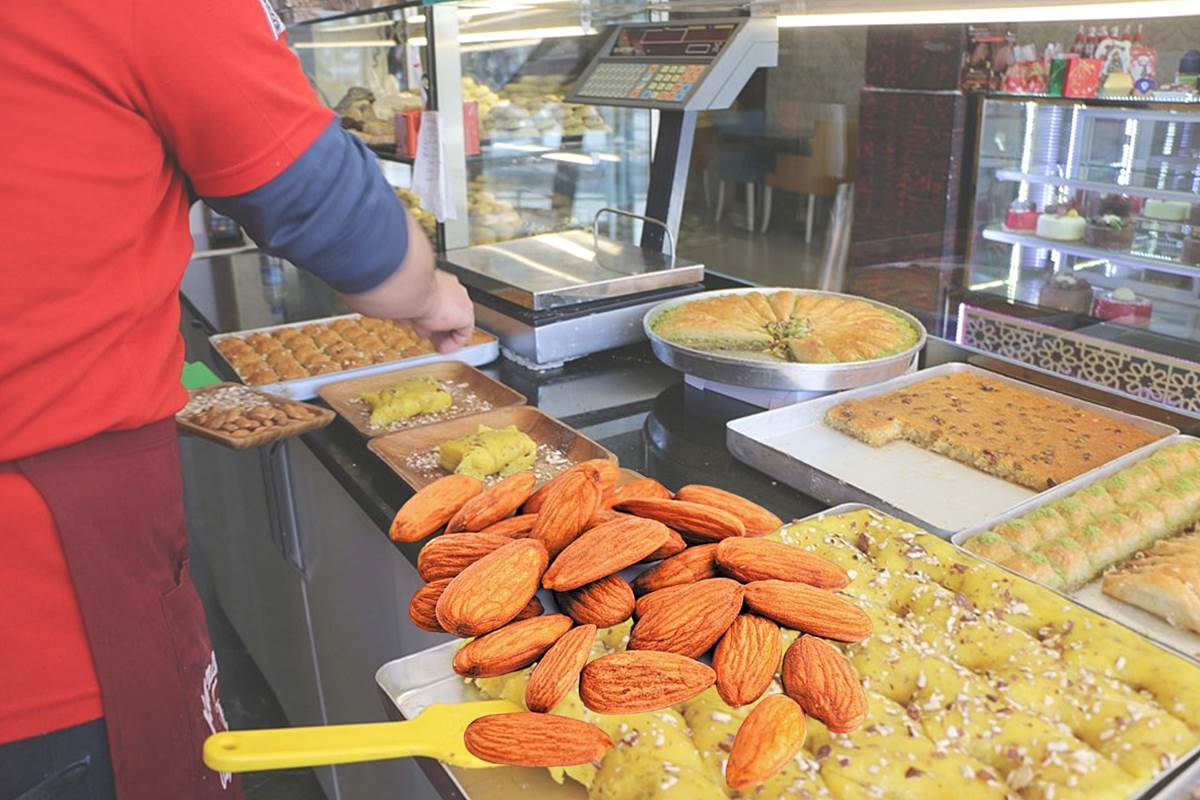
(788, 326)
(1016, 434)
(974, 683)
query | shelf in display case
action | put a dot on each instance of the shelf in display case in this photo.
(1078, 248)
(1094, 186)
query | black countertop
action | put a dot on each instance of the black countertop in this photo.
(624, 399)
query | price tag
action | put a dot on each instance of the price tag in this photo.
(430, 179)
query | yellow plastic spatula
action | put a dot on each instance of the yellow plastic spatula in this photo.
(436, 733)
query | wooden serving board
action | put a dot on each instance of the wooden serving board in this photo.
(566, 445)
(258, 438)
(342, 397)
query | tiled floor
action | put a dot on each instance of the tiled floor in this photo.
(247, 699)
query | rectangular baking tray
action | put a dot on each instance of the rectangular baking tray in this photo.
(306, 388)
(1090, 595)
(408, 685)
(395, 448)
(342, 396)
(795, 446)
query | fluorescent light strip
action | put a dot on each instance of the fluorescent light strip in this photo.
(570, 158)
(561, 32)
(362, 43)
(1128, 9)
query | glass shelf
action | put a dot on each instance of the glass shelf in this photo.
(1095, 186)
(1078, 248)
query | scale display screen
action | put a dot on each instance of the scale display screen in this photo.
(656, 65)
(672, 41)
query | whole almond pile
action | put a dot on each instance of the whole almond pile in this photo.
(710, 588)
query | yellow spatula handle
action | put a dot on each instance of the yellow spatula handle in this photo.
(283, 748)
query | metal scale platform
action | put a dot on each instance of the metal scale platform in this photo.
(559, 296)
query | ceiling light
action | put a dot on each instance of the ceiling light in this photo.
(1122, 9)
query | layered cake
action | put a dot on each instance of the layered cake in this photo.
(1109, 231)
(1169, 210)
(1125, 307)
(1021, 216)
(1066, 293)
(1066, 227)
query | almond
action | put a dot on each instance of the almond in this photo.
(513, 647)
(605, 470)
(749, 560)
(517, 527)
(602, 516)
(694, 522)
(756, 519)
(691, 565)
(446, 556)
(647, 601)
(809, 610)
(494, 504)
(746, 659)
(422, 609)
(493, 590)
(432, 507)
(674, 546)
(818, 677)
(604, 550)
(526, 739)
(604, 603)
(640, 487)
(769, 738)
(691, 621)
(558, 671)
(568, 507)
(637, 681)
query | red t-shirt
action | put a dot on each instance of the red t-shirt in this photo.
(112, 107)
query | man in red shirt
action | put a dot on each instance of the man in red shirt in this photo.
(120, 112)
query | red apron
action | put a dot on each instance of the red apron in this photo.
(117, 499)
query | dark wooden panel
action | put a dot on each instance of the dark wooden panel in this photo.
(925, 57)
(906, 198)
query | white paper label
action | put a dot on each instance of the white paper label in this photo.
(430, 179)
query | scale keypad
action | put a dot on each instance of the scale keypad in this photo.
(669, 83)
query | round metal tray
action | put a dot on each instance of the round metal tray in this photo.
(778, 374)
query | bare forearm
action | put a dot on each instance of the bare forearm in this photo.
(409, 291)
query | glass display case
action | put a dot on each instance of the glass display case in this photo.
(544, 164)
(1092, 209)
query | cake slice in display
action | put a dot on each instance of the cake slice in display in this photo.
(1109, 231)
(1021, 216)
(1067, 227)
(1169, 210)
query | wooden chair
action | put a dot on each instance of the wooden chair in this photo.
(830, 163)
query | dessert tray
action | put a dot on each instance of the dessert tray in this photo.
(413, 454)
(482, 349)
(1091, 594)
(473, 393)
(762, 372)
(956, 669)
(794, 445)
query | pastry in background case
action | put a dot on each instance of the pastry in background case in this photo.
(1066, 293)
(1124, 306)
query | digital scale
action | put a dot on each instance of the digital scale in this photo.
(559, 296)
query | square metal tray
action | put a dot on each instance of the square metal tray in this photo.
(795, 446)
(1090, 595)
(306, 388)
(408, 685)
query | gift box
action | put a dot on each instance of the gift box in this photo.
(1057, 81)
(1083, 78)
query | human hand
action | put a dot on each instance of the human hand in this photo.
(449, 317)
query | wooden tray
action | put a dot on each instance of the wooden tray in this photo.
(395, 449)
(343, 396)
(295, 428)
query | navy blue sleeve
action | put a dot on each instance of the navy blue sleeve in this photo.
(331, 213)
